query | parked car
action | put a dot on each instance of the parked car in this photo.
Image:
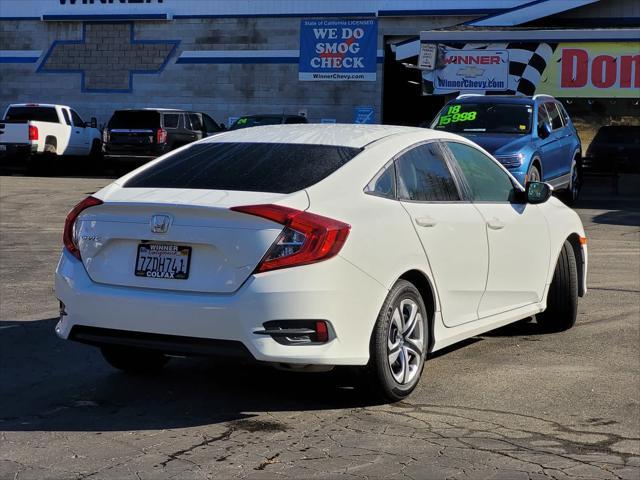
(614, 149)
(138, 136)
(268, 119)
(311, 246)
(32, 131)
(533, 137)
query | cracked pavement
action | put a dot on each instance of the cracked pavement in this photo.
(511, 404)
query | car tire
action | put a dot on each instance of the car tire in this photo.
(533, 175)
(398, 349)
(134, 360)
(562, 299)
(572, 192)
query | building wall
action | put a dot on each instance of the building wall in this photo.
(107, 55)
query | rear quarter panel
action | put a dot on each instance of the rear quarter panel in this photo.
(382, 241)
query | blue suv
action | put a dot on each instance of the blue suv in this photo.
(533, 137)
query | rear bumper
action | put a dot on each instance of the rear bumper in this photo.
(16, 152)
(333, 290)
(170, 344)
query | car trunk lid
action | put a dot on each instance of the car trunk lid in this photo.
(177, 239)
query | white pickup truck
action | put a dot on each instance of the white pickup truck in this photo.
(29, 130)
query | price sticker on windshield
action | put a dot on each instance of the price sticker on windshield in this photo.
(453, 115)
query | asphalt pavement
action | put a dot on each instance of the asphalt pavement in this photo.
(511, 404)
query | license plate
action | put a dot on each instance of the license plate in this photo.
(3, 148)
(159, 260)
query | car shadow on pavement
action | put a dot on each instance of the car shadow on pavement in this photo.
(47, 384)
(628, 218)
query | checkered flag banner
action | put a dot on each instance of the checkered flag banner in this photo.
(527, 63)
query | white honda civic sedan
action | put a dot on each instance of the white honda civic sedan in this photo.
(311, 246)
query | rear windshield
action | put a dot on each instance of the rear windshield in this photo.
(244, 122)
(131, 120)
(485, 117)
(251, 167)
(618, 134)
(38, 114)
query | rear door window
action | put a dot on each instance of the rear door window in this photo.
(196, 122)
(252, 167)
(135, 120)
(424, 176)
(171, 120)
(38, 114)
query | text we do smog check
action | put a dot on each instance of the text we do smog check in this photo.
(338, 50)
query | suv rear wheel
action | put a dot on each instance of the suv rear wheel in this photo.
(573, 191)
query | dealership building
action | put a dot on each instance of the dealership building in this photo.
(365, 61)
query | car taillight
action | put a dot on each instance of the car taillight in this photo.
(306, 237)
(33, 132)
(69, 234)
(161, 136)
(105, 135)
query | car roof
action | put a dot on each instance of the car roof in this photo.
(494, 99)
(160, 110)
(46, 105)
(281, 115)
(338, 134)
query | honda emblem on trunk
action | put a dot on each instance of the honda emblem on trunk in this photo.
(160, 223)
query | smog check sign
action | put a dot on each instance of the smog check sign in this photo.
(338, 50)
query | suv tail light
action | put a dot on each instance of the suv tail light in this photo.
(69, 234)
(161, 136)
(306, 237)
(33, 132)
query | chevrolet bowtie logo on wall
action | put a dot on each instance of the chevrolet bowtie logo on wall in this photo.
(107, 57)
(160, 223)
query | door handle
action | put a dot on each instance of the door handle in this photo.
(495, 224)
(426, 222)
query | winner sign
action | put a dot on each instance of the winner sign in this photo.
(338, 50)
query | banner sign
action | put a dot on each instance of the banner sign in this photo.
(580, 69)
(338, 50)
(593, 70)
(472, 70)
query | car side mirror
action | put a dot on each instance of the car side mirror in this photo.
(544, 130)
(538, 192)
(93, 123)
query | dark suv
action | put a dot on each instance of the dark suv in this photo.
(138, 136)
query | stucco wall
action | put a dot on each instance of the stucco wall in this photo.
(222, 90)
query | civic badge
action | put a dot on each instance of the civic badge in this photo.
(160, 223)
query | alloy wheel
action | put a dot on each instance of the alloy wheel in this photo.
(405, 344)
